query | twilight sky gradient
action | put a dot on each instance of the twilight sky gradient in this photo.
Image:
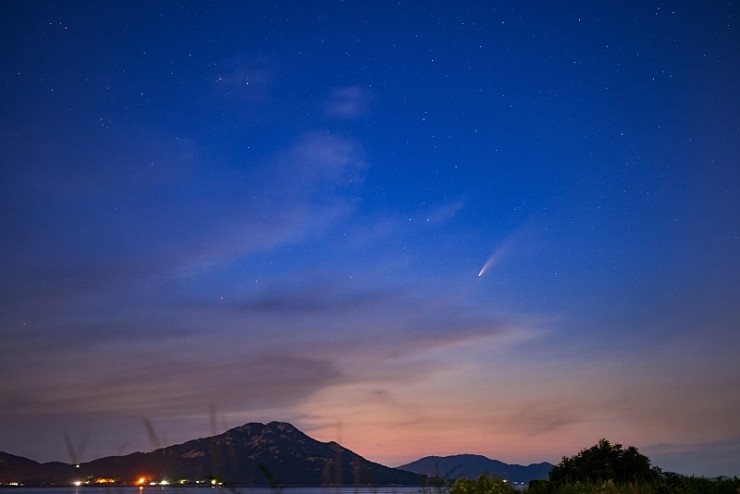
(216, 213)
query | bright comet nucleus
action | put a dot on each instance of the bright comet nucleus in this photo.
(493, 259)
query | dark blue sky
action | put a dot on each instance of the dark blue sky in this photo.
(414, 227)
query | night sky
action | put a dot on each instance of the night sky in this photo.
(416, 228)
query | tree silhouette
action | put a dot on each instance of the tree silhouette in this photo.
(603, 462)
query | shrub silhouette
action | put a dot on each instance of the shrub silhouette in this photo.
(484, 484)
(605, 462)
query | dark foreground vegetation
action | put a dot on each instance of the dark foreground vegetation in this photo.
(675, 485)
(666, 485)
(604, 468)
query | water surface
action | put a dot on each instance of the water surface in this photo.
(210, 490)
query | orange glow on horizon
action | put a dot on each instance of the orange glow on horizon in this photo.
(104, 480)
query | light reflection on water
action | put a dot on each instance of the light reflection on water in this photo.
(210, 490)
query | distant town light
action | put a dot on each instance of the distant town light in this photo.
(104, 480)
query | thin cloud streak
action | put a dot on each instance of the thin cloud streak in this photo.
(348, 102)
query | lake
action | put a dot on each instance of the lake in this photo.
(211, 490)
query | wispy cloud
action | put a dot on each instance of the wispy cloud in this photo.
(321, 298)
(294, 194)
(247, 79)
(97, 165)
(348, 102)
(713, 456)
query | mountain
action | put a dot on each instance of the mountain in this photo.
(24, 471)
(275, 454)
(20, 467)
(471, 466)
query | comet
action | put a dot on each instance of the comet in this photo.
(494, 259)
(485, 268)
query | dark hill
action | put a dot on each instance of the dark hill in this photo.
(471, 466)
(275, 454)
(16, 468)
(24, 471)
